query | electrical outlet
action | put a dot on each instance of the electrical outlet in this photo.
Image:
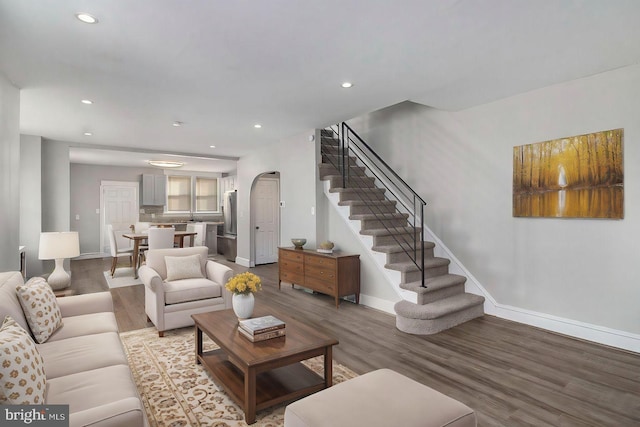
(98, 211)
(153, 215)
(77, 217)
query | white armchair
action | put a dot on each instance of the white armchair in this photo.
(174, 289)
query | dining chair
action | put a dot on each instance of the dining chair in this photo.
(142, 227)
(115, 252)
(161, 238)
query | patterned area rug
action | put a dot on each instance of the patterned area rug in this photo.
(177, 392)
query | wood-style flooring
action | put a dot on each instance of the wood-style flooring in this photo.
(510, 374)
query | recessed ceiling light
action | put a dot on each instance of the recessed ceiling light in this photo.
(257, 126)
(177, 124)
(212, 146)
(88, 134)
(87, 101)
(165, 164)
(347, 85)
(86, 18)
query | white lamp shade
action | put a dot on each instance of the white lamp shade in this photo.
(59, 244)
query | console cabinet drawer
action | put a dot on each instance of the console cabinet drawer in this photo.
(333, 274)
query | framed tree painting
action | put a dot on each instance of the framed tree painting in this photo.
(577, 177)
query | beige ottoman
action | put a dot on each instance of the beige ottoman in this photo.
(380, 398)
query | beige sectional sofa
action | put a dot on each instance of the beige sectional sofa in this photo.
(84, 361)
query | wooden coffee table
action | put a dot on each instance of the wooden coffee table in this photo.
(263, 374)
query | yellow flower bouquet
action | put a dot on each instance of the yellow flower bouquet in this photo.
(244, 283)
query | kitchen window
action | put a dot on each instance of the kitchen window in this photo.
(192, 194)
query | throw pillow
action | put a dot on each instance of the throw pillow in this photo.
(22, 378)
(40, 308)
(183, 267)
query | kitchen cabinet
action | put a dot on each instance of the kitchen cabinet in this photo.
(228, 183)
(154, 190)
(334, 274)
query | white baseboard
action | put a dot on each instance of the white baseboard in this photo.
(378, 303)
(243, 262)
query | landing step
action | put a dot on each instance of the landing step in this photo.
(439, 308)
(409, 266)
(434, 283)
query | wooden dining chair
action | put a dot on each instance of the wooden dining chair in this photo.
(115, 252)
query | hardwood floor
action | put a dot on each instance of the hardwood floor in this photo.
(510, 374)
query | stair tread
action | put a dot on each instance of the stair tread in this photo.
(388, 215)
(366, 202)
(392, 249)
(437, 309)
(386, 232)
(408, 266)
(433, 284)
(364, 190)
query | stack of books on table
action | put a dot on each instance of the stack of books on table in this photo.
(261, 328)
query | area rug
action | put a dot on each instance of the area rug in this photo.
(123, 276)
(177, 392)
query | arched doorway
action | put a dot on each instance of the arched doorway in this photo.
(265, 218)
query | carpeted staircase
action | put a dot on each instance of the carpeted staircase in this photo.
(442, 303)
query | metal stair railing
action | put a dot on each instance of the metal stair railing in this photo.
(354, 152)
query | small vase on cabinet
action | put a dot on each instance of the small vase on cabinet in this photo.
(243, 305)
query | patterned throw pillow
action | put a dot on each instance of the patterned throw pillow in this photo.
(22, 378)
(40, 308)
(183, 267)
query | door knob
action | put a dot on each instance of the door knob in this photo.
(257, 228)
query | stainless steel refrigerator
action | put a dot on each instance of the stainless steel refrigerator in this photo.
(227, 241)
(230, 211)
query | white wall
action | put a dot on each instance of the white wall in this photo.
(295, 159)
(9, 175)
(31, 201)
(461, 164)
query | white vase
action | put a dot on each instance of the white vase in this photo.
(243, 305)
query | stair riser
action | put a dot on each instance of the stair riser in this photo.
(357, 182)
(404, 257)
(415, 276)
(393, 240)
(429, 327)
(377, 208)
(353, 195)
(328, 169)
(440, 294)
(372, 224)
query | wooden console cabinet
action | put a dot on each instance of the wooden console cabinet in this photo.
(333, 274)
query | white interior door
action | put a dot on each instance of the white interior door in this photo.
(267, 224)
(119, 207)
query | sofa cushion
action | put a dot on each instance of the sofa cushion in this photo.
(183, 267)
(105, 396)
(79, 354)
(22, 376)
(86, 324)
(9, 304)
(190, 290)
(40, 308)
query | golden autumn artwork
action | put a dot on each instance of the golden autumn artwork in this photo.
(577, 177)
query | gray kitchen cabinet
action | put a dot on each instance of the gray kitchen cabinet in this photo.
(154, 190)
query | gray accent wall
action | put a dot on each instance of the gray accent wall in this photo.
(461, 164)
(9, 175)
(85, 198)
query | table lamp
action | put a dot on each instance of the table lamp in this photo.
(59, 245)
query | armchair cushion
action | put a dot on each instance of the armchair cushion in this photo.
(178, 291)
(40, 308)
(183, 267)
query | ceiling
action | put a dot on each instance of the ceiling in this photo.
(221, 66)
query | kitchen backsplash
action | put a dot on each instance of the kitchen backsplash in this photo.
(156, 214)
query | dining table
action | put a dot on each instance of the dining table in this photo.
(141, 237)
